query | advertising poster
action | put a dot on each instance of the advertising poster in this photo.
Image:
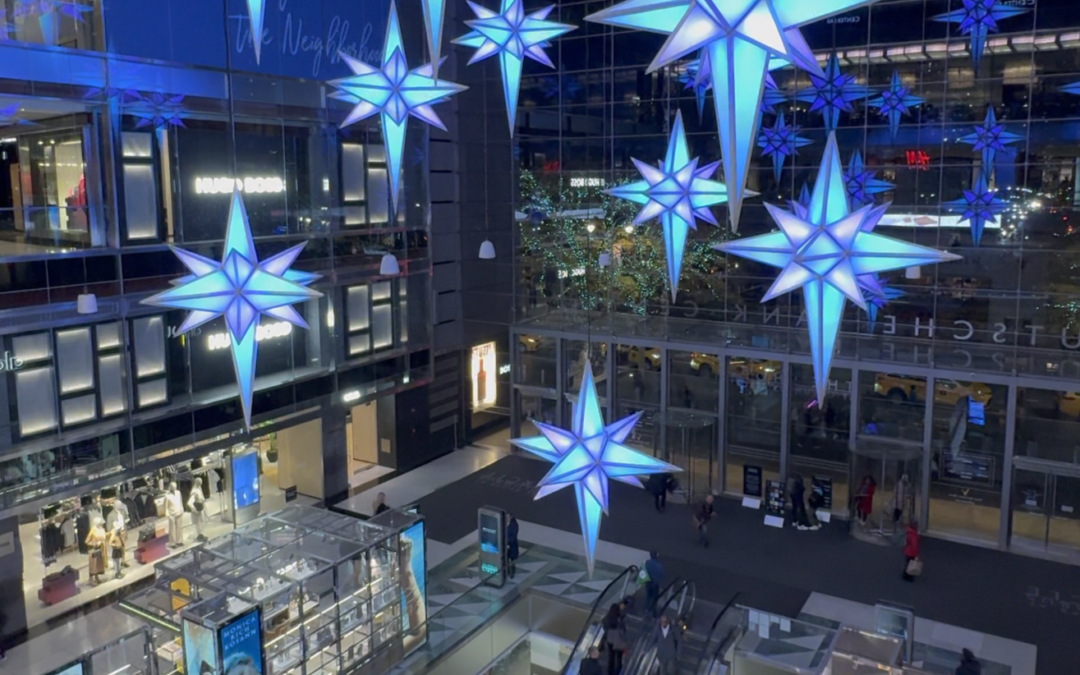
(484, 389)
(241, 645)
(822, 485)
(245, 480)
(492, 526)
(774, 497)
(751, 480)
(413, 587)
(73, 669)
(200, 650)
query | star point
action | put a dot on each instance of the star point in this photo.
(242, 290)
(977, 19)
(895, 102)
(257, 15)
(587, 456)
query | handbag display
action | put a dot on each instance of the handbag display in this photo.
(914, 567)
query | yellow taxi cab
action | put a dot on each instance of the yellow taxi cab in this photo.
(529, 343)
(646, 358)
(704, 364)
(946, 392)
(1068, 403)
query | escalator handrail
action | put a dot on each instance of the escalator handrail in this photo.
(630, 572)
(722, 644)
(641, 645)
(690, 590)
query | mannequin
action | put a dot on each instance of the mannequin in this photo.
(174, 510)
(116, 549)
(197, 505)
(95, 545)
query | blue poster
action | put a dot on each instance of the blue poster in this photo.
(245, 480)
(200, 651)
(413, 587)
(241, 644)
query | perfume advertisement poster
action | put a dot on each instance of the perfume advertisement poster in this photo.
(200, 650)
(413, 587)
(241, 645)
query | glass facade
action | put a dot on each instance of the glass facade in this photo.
(962, 382)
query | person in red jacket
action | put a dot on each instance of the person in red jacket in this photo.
(911, 548)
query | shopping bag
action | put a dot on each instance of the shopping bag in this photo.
(914, 567)
(643, 576)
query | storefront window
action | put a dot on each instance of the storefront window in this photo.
(694, 381)
(577, 353)
(1048, 425)
(819, 434)
(532, 407)
(891, 406)
(638, 374)
(752, 419)
(966, 465)
(536, 354)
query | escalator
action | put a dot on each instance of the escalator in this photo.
(726, 631)
(679, 606)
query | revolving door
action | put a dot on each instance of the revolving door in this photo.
(885, 478)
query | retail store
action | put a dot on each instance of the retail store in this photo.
(298, 590)
(88, 544)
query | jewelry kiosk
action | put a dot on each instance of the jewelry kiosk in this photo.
(301, 591)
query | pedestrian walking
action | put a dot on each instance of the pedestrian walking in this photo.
(659, 485)
(912, 550)
(513, 550)
(591, 664)
(704, 514)
(665, 639)
(655, 572)
(615, 637)
(969, 665)
(797, 495)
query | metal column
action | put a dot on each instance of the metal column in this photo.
(928, 437)
(721, 422)
(663, 403)
(785, 412)
(560, 380)
(1007, 466)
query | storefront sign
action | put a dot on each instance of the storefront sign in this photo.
(484, 390)
(9, 362)
(248, 185)
(413, 587)
(751, 480)
(267, 331)
(822, 485)
(492, 533)
(290, 494)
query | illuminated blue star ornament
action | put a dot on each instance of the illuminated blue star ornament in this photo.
(257, 15)
(781, 142)
(242, 289)
(832, 93)
(513, 35)
(743, 40)
(862, 185)
(988, 138)
(978, 18)
(676, 191)
(895, 102)
(978, 207)
(393, 92)
(824, 252)
(587, 456)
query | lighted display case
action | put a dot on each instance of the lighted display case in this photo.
(326, 593)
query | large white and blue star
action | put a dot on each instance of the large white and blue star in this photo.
(393, 92)
(513, 35)
(242, 289)
(823, 250)
(676, 192)
(587, 456)
(743, 40)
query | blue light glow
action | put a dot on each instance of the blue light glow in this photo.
(242, 289)
(434, 17)
(676, 192)
(393, 92)
(862, 185)
(832, 93)
(587, 456)
(513, 35)
(877, 294)
(257, 14)
(781, 142)
(1072, 88)
(988, 138)
(823, 249)
(895, 102)
(978, 206)
(978, 18)
(743, 40)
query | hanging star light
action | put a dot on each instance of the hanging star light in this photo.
(697, 77)
(513, 35)
(978, 206)
(257, 15)
(772, 96)
(832, 93)
(242, 289)
(978, 18)
(824, 252)
(743, 39)
(895, 102)
(877, 294)
(587, 456)
(675, 192)
(803, 200)
(861, 184)
(434, 17)
(990, 137)
(393, 92)
(781, 142)
(1072, 88)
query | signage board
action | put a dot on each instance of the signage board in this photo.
(290, 494)
(413, 587)
(492, 532)
(242, 644)
(200, 648)
(751, 480)
(484, 370)
(774, 498)
(822, 485)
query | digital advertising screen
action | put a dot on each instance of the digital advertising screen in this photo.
(413, 587)
(976, 413)
(200, 649)
(245, 480)
(241, 645)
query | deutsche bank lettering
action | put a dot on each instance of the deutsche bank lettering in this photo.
(249, 185)
(267, 331)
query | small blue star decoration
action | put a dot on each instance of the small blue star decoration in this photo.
(242, 289)
(988, 138)
(676, 191)
(978, 206)
(895, 102)
(862, 185)
(587, 456)
(393, 92)
(978, 18)
(877, 294)
(513, 35)
(781, 142)
(832, 93)
(823, 249)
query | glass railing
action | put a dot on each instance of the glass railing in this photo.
(720, 639)
(593, 631)
(676, 602)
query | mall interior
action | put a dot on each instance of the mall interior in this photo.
(432, 252)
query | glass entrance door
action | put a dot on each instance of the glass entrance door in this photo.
(886, 473)
(1046, 512)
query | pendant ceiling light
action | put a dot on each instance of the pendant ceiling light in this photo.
(487, 250)
(389, 265)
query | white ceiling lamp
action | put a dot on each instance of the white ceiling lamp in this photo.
(487, 250)
(389, 265)
(87, 303)
(605, 259)
(914, 272)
